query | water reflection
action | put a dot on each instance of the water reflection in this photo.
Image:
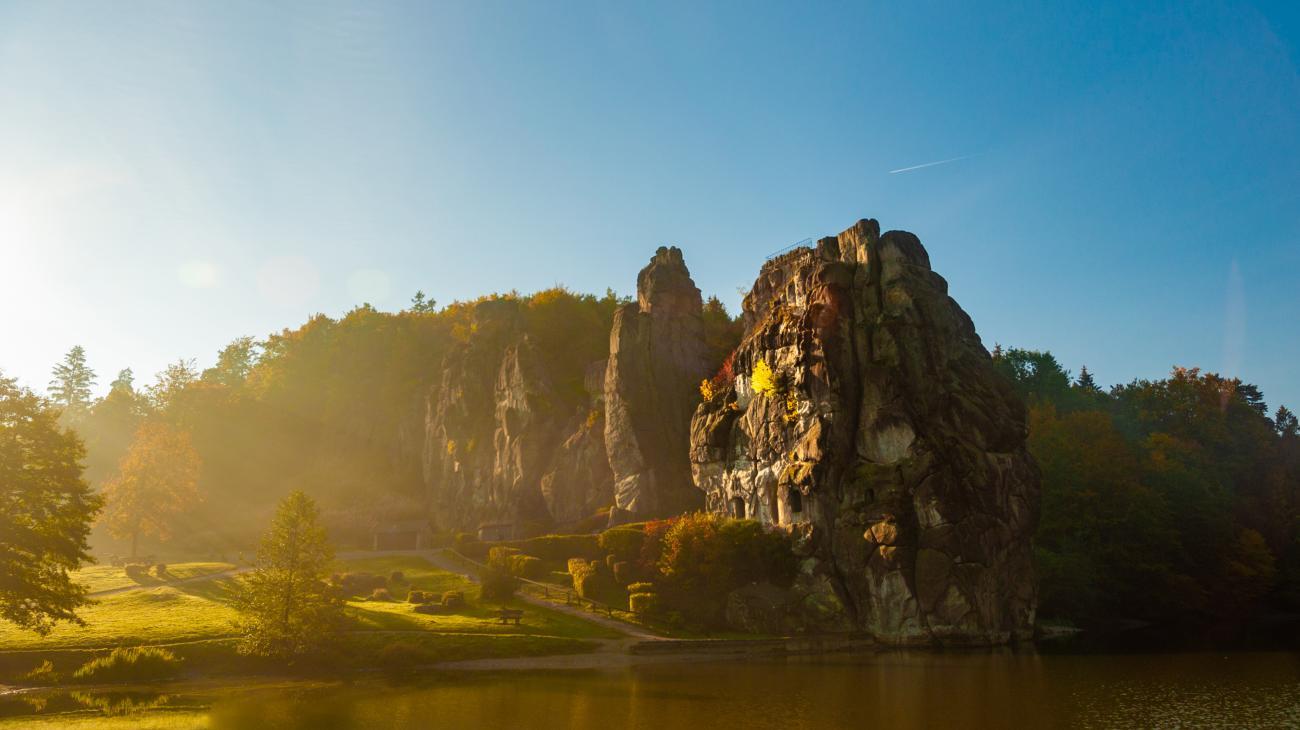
(895, 690)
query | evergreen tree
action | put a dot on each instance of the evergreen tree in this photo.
(72, 382)
(124, 382)
(288, 607)
(45, 513)
(422, 305)
(1086, 381)
(1285, 421)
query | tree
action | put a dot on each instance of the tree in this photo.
(1285, 421)
(423, 306)
(46, 509)
(288, 607)
(234, 362)
(72, 382)
(125, 381)
(157, 479)
(171, 381)
(1086, 381)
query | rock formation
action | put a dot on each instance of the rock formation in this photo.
(657, 358)
(500, 444)
(865, 415)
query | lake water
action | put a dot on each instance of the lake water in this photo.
(886, 690)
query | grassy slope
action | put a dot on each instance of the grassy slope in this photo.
(108, 577)
(202, 611)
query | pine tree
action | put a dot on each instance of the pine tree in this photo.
(46, 509)
(1285, 421)
(288, 607)
(1086, 381)
(72, 382)
(124, 382)
(422, 305)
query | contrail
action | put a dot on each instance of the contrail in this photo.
(928, 164)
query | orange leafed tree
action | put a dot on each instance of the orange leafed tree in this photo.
(156, 479)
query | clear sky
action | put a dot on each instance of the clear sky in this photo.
(175, 175)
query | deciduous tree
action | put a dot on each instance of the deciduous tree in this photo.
(46, 509)
(288, 607)
(156, 480)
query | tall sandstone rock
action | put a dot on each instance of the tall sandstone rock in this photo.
(657, 358)
(501, 446)
(883, 439)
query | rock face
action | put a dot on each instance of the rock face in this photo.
(657, 358)
(865, 416)
(500, 446)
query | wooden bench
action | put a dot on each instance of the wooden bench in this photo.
(506, 615)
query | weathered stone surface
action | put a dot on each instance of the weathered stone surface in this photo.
(657, 358)
(500, 446)
(886, 440)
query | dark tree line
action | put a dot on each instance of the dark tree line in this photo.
(1163, 500)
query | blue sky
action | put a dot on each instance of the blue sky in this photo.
(175, 175)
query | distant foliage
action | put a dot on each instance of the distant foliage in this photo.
(1166, 500)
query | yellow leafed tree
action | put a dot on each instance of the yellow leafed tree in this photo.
(156, 479)
(763, 379)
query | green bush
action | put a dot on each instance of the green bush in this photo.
(497, 584)
(136, 571)
(499, 556)
(130, 664)
(418, 597)
(160, 570)
(622, 542)
(453, 600)
(577, 564)
(705, 556)
(643, 604)
(381, 594)
(357, 584)
(397, 576)
(526, 566)
(641, 588)
(594, 581)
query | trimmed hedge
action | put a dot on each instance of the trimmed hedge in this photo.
(453, 600)
(560, 547)
(526, 566)
(622, 542)
(643, 604)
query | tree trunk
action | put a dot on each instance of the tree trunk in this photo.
(135, 539)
